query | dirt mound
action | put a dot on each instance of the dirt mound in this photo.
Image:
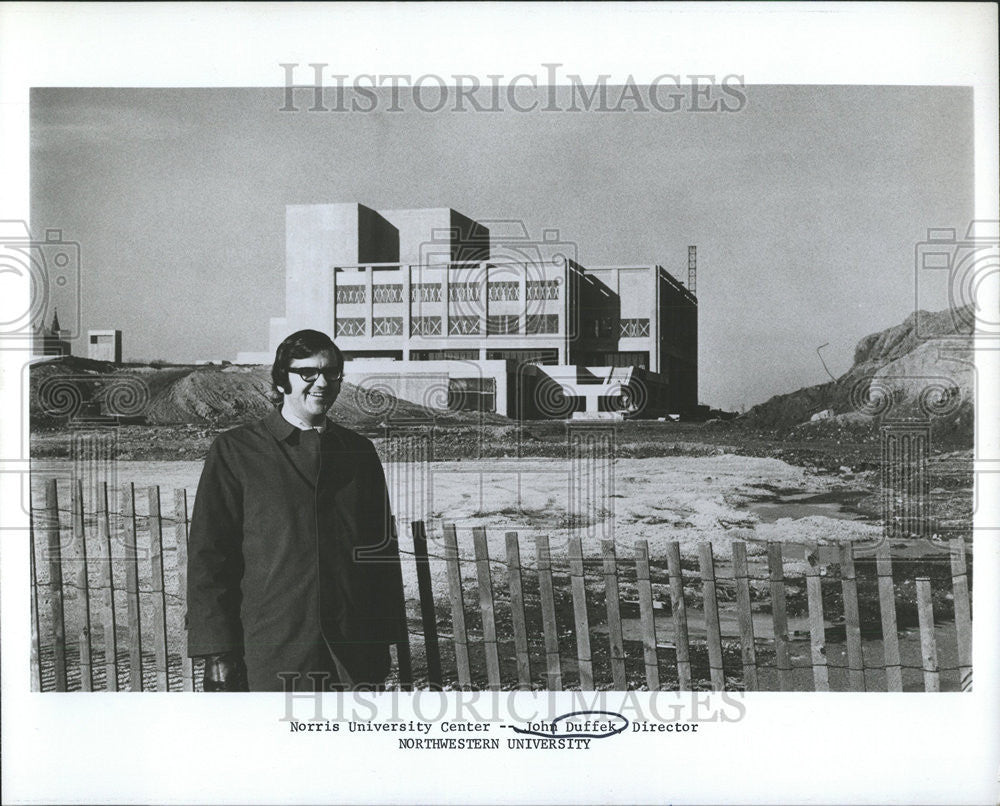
(849, 426)
(917, 329)
(211, 396)
(920, 368)
(68, 389)
(239, 394)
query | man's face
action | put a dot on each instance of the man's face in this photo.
(311, 399)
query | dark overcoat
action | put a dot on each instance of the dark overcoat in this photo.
(292, 560)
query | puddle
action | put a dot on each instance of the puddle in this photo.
(772, 511)
(797, 504)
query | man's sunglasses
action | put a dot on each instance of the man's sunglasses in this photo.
(309, 374)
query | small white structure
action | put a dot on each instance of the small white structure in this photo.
(104, 345)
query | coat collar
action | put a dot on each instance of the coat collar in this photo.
(282, 429)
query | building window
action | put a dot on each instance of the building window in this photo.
(463, 292)
(387, 326)
(393, 355)
(425, 292)
(472, 394)
(625, 358)
(351, 327)
(501, 291)
(542, 289)
(463, 326)
(350, 293)
(545, 356)
(426, 325)
(387, 293)
(602, 327)
(94, 340)
(542, 323)
(501, 325)
(444, 355)
(630, 328)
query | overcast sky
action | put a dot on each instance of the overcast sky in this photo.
(806, 206)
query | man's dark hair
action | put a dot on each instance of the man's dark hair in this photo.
(302, 344)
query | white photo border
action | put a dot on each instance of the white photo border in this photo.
(808, 748)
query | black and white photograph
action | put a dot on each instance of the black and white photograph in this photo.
(611, 427)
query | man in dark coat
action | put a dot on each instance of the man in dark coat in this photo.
(293, 569)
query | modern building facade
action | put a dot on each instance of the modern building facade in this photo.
(400, 288)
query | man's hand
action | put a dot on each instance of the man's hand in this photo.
(225, 672)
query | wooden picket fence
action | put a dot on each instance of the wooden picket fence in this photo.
(143, 664)
(515, 630)
(609, 573)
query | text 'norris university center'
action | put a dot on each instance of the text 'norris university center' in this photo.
(432, 307)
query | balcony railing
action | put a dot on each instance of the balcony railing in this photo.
(387, 326)
(425, 326)
(425, 292)
(463, 326)
(632, 328)
(347, 294)
(351, 327)
(387, 293)
(504, 290)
